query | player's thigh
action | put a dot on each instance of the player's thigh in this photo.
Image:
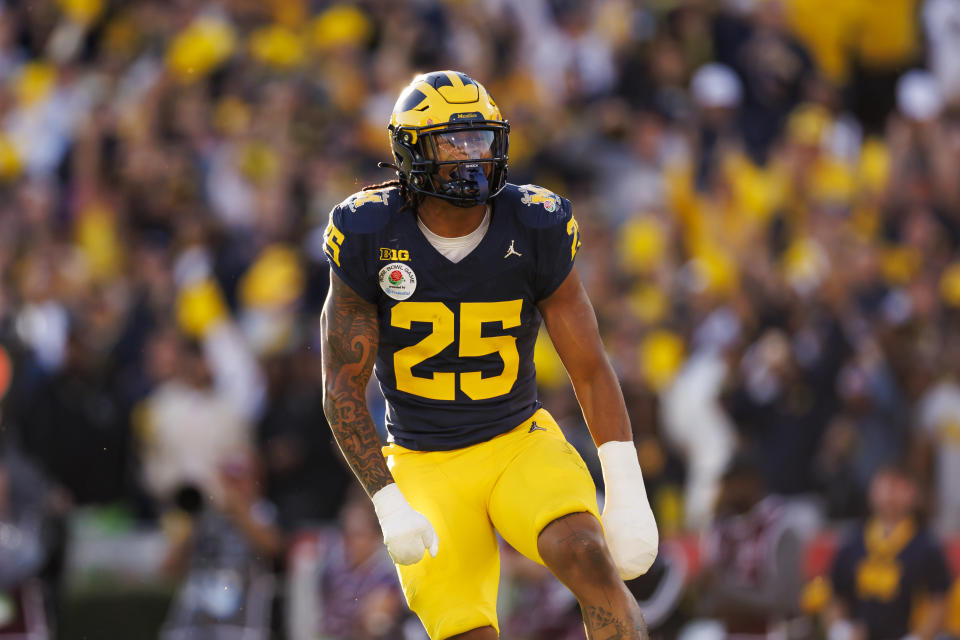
(546, 480)
(457, 590)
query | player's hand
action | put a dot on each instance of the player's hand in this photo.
(406, 532)
(628, 522)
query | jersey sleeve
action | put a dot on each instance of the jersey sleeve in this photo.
(557, 246)
(347, 257)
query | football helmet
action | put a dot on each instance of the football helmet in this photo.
(449, 140)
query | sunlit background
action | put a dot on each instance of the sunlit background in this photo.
(768, 194)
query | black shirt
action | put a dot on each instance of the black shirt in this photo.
(879, 579)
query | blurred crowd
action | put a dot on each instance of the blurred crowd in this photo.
(769, 200)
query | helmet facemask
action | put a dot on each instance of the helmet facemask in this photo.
(464, 164)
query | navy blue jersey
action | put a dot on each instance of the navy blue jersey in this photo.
(880, 589)
(455, 361)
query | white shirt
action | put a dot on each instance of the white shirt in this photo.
(456, 249)
(939, 415)
(941, 19)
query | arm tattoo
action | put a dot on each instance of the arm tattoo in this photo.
(349, 347)
(605, 625)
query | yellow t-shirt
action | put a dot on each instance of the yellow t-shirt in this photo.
(824, 27)
(880, 33)
(885, 33)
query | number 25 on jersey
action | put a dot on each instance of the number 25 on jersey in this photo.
(442, 385)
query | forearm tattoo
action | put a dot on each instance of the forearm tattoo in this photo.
(349, 348)
(605, 625)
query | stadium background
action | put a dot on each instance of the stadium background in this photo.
(769, 204)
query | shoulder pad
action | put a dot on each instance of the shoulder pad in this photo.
(536, 206)
(367, 211)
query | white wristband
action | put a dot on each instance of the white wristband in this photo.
(621, 470)
(406, 532)
(389, 500)
(628, 522)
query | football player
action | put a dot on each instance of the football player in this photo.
(439, 283)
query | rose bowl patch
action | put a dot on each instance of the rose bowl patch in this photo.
(398, 280)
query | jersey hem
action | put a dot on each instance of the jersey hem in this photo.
(415, 444)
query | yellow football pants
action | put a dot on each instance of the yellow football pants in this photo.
(516, 484)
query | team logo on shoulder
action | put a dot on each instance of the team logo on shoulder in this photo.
(359, 199)
(533, 194)
(398, 280)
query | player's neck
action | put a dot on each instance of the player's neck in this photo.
(449, 221)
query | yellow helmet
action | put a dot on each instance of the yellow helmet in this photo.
(446, 118)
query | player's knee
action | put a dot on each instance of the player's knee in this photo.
(576, 552)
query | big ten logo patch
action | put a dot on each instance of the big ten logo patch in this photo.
(533, 194)
(365, 197)
(394, 254)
